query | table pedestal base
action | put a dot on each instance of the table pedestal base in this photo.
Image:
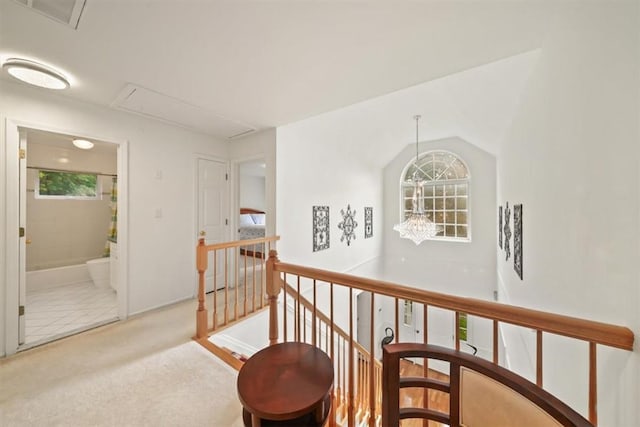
(307, 420)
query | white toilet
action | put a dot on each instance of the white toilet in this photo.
(100, 272)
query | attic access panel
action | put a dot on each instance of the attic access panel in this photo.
(67, 12)
(146, 102)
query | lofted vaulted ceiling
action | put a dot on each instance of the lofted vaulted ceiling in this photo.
(223, 67)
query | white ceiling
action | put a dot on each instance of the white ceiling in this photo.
(260, 64)
(40, 137)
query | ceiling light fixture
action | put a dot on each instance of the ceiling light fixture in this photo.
(35, 73)
(83, 143)
(417, 226)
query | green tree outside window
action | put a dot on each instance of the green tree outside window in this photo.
(67, 184)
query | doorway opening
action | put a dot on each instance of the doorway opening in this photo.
(67, 275)
(251, 204)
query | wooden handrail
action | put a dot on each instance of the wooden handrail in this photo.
(238, 243)
(358, 372)
(587, 330)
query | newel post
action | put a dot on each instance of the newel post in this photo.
(274, 284)
(201, 314)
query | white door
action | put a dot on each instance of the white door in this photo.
(22, 253)
(213, 211)
(409, 325)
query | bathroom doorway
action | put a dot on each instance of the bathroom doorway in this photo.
(68, 233)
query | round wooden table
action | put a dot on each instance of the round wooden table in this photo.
(285, 382)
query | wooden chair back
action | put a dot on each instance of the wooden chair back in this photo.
(481, 394)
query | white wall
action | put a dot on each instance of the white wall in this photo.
(571, 158)
(252, 194)
(161, 250)
(324, 161)
(463, 268)
(318, 165)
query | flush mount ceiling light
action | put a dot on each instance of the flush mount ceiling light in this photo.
(35, 73)
(417, 226)
(83, 143)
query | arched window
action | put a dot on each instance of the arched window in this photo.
(446, 193)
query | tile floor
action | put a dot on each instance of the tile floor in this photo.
(64, 310)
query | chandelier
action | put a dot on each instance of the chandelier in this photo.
(417, 226)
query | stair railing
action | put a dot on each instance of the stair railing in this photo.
(357, 385)
(311, 325)
(236, 285)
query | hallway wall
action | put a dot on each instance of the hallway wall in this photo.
(571, 158)
(161, 250)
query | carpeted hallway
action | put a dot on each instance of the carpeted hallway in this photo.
(145, 371)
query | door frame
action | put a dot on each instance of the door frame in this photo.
(196, 201)
(12, 223)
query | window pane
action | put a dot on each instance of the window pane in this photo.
(409, 175)
(438, 169)
(462, 217)
(460, 170)
(451, 217)
(445, 191)
(426, 171)
(450, 203)
(67, 184)
(428, 204)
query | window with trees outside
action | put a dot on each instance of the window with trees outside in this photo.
(446, 193)
(67, 185)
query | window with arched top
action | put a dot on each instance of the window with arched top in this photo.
(445, 192)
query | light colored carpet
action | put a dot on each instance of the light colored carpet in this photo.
(145, 371)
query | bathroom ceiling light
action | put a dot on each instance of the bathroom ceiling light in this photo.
(35, 73)
(83, 143)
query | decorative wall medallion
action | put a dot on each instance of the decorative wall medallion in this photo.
(348, 225)
(507, 231)
(320, 228)
(368, 222)
(500, 226)
(517, 239)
